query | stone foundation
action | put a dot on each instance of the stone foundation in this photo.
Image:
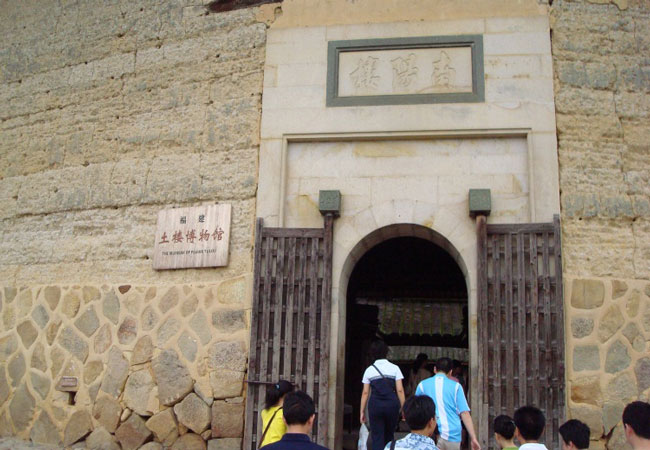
(153, 363)
(608, 345)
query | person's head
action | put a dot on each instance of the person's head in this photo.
(504, 430)
(575, 435)
(636, 417)
(378, 350)
(420, 360)
(456, 367)
(420, 413)
(298, 410)
(275, 392)
(530, 422)
(443, 365)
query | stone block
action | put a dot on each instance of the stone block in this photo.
(612, 414)
(229, 321)
(4, 388)
(232, 291)
(617, 358)
(52, 330)
(199, 324)
(132, 433)
(193, 412)
(189, 306)
(642, 372)
(52, 296)
(116, 373)
(229, 355)
(189, 441)
(143, 350)
(40, 383)
(74, 344)
(71, 303)
(90, 294)
(44, 431)
(128, 330)
(16, 369)
(587, 390)
(87, 322)
(79, 426)
(581, 327)
(203, 389)
(101, 439)
(227, 419)
(149, 318)
(173, 378)
(610, 322)
(138, 392)
(151, 446)
(111, 307)
(621, 388)
(586, 357)
(169, 300)
(187, 346)
(8, 345)
(226, 383)
(40, 316)
(619, 288)
(103, 339)
(225, 444)
(168, 329)
(164, 427)
(92, 370)
(27, 332)
(587, 294)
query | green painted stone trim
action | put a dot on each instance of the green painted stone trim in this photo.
(474, 41)
(480, 202)
(329, 202)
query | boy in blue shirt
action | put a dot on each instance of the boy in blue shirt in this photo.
(451, 407)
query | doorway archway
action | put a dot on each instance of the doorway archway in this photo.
(406, 284)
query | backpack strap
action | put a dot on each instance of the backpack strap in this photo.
(268, 425)
(392, 386)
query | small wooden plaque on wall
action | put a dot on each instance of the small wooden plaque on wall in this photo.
(192, 237)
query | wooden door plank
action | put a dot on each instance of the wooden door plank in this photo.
(277, 310)
(290, 314)
(521, 319)
(301, 272)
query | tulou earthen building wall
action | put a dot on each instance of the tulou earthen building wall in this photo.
(601, 54)
(109, 112)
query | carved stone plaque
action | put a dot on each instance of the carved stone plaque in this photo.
(405, 71)
(192, 237)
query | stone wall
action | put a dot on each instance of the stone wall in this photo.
(109, 112)
(608, 343)
(152, 363)
(602, 79)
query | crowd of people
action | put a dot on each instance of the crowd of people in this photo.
(436, 412)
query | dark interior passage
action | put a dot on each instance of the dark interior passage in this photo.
(412, 294)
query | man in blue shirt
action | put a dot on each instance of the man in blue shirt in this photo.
(299, 414)
(451, 407)
(420, 415)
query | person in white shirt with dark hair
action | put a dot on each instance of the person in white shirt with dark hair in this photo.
(385, 380)
(530, 423)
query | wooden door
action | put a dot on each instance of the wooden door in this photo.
(290, 322)
(521, 324)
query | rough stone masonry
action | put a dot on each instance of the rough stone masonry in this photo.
(601, 54)
(109, 112)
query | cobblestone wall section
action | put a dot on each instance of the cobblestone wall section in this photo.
(111, 111)
(608, 348)
(152, 363)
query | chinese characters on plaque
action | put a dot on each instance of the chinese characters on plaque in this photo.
(192, 237)
(399, 72)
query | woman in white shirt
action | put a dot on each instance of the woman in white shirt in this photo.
(385, 380)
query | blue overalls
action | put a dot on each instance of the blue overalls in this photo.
(383, 411)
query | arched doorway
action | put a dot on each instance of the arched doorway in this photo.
(408, 286)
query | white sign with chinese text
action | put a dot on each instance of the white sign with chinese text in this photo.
(192, 237)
